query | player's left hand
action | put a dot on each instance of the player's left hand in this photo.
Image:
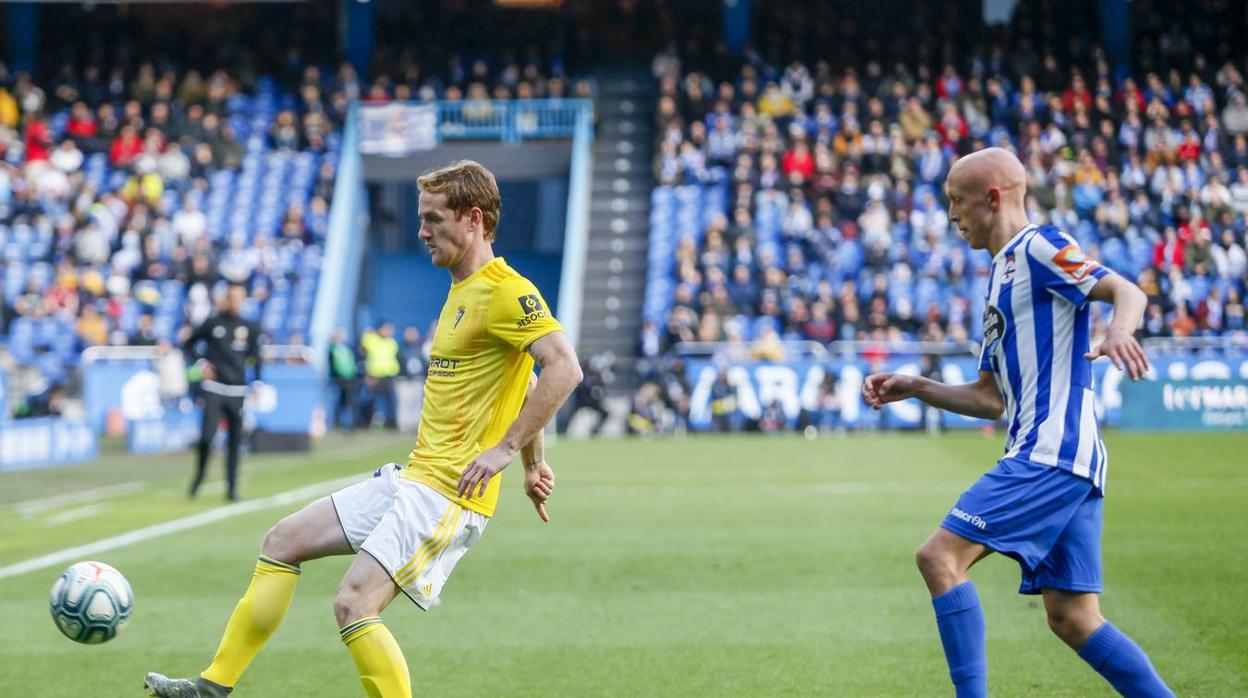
(1125, 352)
(539, 483)
(477, 475)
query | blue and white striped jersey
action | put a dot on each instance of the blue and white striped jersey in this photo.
(1036, 331)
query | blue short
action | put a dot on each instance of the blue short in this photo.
(1045, 518)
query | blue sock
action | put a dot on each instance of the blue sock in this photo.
(961, 623)
(1123, 664)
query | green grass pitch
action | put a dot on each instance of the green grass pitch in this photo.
(715, 566)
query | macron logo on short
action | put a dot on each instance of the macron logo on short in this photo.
(969, 518)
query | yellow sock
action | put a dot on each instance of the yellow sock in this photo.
(255, 618)
(383, 670)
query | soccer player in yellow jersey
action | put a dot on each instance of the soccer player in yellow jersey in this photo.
(408, 525)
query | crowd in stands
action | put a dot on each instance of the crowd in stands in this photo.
(129, 197)
(800, 201)
(833, 222)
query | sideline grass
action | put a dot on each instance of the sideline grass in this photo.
(722, 566)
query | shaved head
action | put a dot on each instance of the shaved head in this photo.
(987, 193)
(990, 168)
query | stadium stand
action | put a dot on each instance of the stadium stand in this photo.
(801, 201)
(808, 202)
(130, 195)
(101, 225)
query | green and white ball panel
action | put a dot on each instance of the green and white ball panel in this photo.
(91, 602)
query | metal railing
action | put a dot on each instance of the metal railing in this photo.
(790, 348)
(406, 127)
(1181, 344)
(268, 352)
(806, 348)
(510, 121)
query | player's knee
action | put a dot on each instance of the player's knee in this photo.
(1062, 624)
(351, 605)
(933, 562)
(1073, 626)
(280, 545)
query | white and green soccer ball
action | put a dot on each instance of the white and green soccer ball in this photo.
(91, 602)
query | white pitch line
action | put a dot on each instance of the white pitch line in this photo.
(82, 552)
(61, 518)
(30, 507)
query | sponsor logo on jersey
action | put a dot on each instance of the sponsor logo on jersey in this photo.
(994, 327)
(531, 304)
(969, 518)
(1070, 259)
(533, 310)
(442, 366)
(240, 338)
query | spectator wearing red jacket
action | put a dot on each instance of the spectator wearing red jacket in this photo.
(1168, 252)
(126, 147)
(951, 126)
(799, 160)
(81, 124)
(1077, 92)
(38, 139)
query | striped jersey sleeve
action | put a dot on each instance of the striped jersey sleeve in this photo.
(1064, 268)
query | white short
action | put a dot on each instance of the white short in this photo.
(413, 530)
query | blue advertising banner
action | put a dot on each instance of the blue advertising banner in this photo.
(1164, 404)
(126, 390)
(173, 431)
(119, 394)
(798, 386)
(289, 397)
(36, 443)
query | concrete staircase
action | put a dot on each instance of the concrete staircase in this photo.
(615, 268)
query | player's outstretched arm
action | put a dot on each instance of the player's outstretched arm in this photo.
(979, 399)
(561, 372)
(1119, 344)
(539, 478)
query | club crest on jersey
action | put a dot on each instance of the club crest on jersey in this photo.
(1011, 267)
(459, 315)
(1070, 259)
(240, 338)
(994, 327)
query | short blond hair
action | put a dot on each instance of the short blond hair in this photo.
(467, 185)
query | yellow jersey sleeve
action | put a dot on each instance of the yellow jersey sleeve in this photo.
(518, 314)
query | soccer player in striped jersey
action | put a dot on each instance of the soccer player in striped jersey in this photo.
(407, 525)
(1041, 504)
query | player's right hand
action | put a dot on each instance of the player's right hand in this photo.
(208, 371)
(539, 484)
(880, 389)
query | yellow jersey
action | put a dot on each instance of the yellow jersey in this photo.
(478, 376)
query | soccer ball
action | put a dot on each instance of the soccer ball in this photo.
(91, 602)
